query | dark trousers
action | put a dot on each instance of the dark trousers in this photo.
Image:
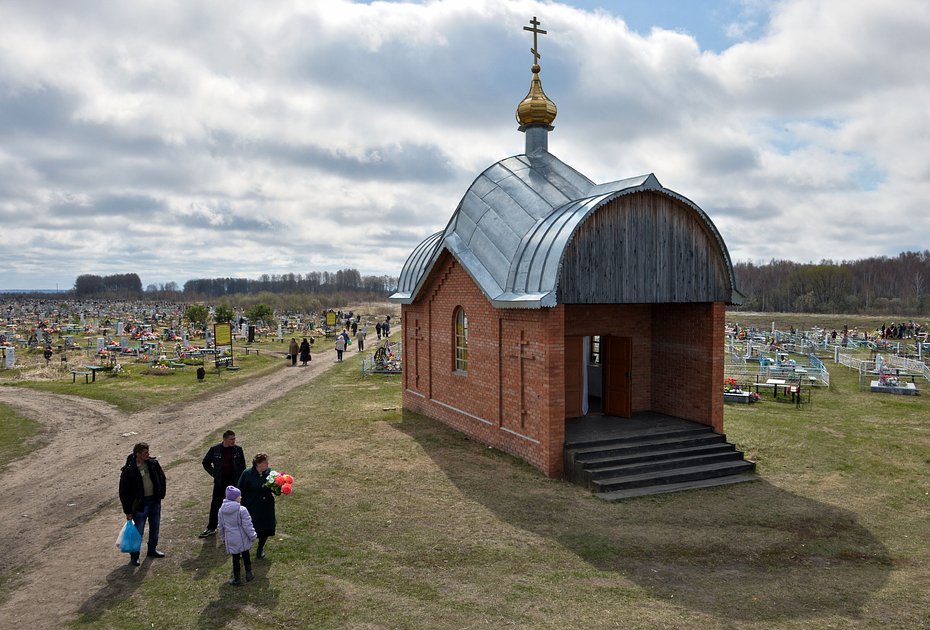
(293, 359)
(246, 560)
(219, 493)
(361, 344)
(151, 512)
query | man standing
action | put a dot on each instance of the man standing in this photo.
(224, 462)
(141, 490)
(362, 333)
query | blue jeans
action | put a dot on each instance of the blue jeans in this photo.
(151, 510)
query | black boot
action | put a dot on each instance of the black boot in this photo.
(234, 580)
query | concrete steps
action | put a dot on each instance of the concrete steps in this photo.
(656, 461)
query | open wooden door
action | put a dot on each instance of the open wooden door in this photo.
(617, 359)
(574, 359)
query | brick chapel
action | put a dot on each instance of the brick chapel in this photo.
(548, 297)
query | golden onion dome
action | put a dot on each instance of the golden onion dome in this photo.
(536, 108)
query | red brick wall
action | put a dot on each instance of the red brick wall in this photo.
(487, 402)
(688, 361)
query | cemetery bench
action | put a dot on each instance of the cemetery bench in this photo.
(174, 364)
(223, 362)
(76, 373)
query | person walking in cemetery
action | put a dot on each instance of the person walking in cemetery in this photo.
(360, 336)
(340, 347)
(378, 329)
(386, 327)
(141, 490)
(292, 350)
(258, 499)
(224, 462)
(237, 532)
(304, 352)
(355, 326)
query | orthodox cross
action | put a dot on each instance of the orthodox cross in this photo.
(522, 356)
(535, 31)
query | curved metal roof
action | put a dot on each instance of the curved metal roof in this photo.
(415, 267)
(512, 227)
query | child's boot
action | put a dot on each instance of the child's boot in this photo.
(234, 580)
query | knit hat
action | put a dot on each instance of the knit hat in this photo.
(232, 493)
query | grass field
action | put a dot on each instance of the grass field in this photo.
(136, 388)
(399, 522)
(18, 435)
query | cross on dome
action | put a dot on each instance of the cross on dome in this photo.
(535, 31)
(536, 109)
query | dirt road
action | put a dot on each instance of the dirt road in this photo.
(58, 506)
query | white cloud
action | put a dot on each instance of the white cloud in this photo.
(206, 136)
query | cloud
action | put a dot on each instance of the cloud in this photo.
(184, 140)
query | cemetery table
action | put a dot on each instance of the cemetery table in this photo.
(93, 371)
(776, 382)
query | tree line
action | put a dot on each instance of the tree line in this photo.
(892, 285)
(344, 283)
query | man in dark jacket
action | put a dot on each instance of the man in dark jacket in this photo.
(141, 490)
(224, 462)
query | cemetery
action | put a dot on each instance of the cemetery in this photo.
(81, 342)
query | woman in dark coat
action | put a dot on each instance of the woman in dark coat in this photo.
(304, 352)
(259, 500)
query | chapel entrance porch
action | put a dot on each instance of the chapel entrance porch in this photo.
(649, 453)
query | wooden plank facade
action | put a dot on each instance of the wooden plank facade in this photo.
(643, 248)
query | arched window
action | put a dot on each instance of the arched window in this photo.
(461, 340)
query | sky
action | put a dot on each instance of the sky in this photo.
(183, 139)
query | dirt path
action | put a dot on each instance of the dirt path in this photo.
(58, 509)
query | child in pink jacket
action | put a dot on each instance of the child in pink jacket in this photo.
(234, 526)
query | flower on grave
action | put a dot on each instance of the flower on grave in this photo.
(754, 397)
(730, 385)
(117, 368)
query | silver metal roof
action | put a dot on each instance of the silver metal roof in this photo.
(512, 227)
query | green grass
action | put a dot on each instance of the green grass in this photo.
(400, 522)
(19, 436)
(134, 388)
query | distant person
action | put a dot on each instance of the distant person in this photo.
(378, 329)
(224, 462)
(386, 327)
(292, 350)
(141, 490)
(259, 500)
(237, 532)
(340, 347)
(304, 352)
(360, 337)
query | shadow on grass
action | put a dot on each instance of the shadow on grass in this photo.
(212, 554)
(232, 600)
(122, 582)
(751, 552)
